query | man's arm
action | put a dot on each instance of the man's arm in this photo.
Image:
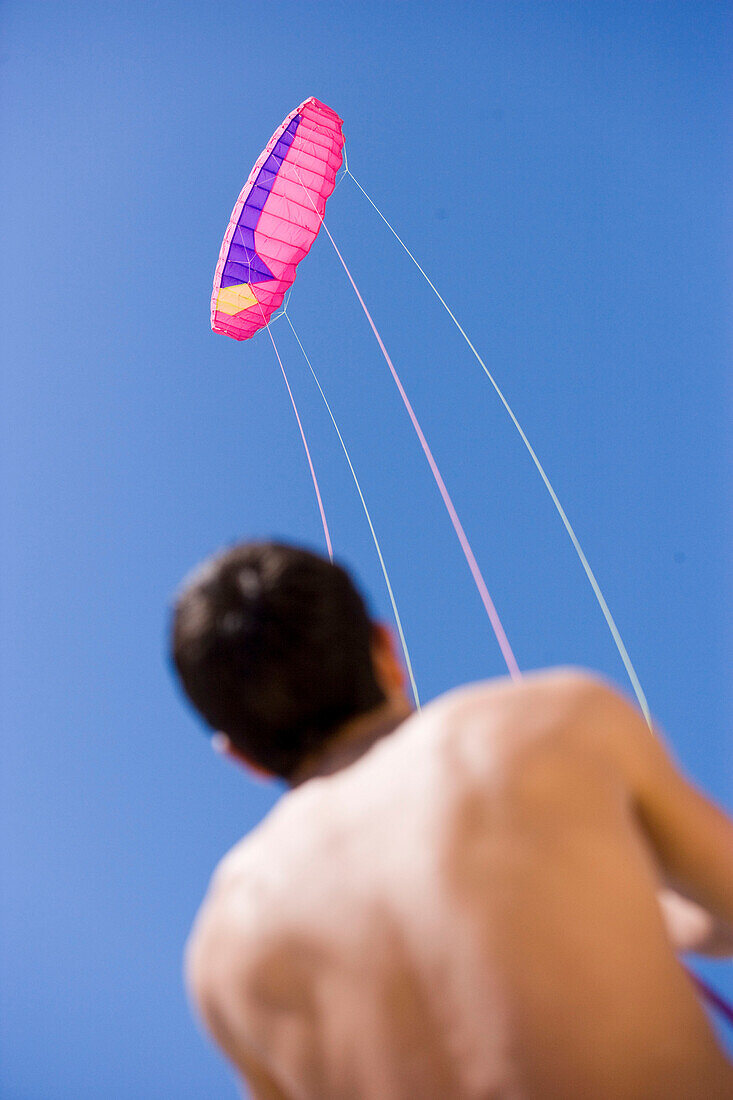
(692, 928)
(691, 836)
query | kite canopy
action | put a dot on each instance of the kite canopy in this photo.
(276, 219)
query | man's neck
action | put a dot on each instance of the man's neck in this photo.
(353, 740)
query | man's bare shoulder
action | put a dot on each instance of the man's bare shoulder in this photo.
(488, 732)
(245, 906)
(538, 702)
(232, 950)
(223, 924)
(234, 968)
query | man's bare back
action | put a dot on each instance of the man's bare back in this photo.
(469, 910)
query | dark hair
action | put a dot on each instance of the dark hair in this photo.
(273, 647)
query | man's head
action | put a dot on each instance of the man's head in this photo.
(275, 649)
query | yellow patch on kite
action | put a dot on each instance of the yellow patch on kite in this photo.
(233, 299)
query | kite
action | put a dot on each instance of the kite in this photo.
(276, 219)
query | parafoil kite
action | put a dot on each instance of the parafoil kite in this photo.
(276, 219)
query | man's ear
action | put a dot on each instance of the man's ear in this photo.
(388, 666)
(221, 744)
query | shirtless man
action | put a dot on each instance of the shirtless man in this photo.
(470, 902)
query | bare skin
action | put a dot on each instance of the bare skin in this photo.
(482, 900)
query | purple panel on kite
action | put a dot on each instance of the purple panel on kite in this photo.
(243, 265)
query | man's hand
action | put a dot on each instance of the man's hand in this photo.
(692, 928)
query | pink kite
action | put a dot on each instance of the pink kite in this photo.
(276, 219)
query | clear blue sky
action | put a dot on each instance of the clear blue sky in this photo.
(560, 170)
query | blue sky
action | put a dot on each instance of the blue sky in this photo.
(560, 171)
